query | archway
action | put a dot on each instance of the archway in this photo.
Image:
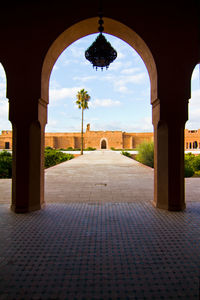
(103, 144)
(5, 123)
(120, 30)
(195, 145)
(168, 129)
(87, 27)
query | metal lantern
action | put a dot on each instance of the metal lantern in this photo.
(101, 53)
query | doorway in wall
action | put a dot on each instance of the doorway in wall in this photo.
(103, 144)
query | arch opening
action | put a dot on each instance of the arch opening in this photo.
(5, 123)
(103, 144)
(192, 132)
(87, 27)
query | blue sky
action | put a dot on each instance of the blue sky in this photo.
(120, 96)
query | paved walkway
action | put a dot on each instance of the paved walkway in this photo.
(99, 177)
(99, 236)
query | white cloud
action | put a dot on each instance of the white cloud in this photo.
(2, 72)
(77, 52)
(129, 71)
(5, 123)
(84, 78)
(137, 79)
(116, 65)
(196, 73)
(194, 111)
(120, 55)
(142, 125)
(104, 103)
(120, 82)
(63, 93)
(3, 108)
(2, 83)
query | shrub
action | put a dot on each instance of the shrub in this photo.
(188, 170)
(90, 149)
(48, 148)
(54, 157)
(69, 149)
(188, 165)
(112, 148)
(125, 153)
(196, 163)
(5, 164)
(146, 154)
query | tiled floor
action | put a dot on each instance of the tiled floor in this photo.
(92, 249)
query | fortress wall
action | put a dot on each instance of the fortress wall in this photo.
(116, 139)
(192, 139)
(63, 142)
(6, 139)
(127, 141)
(138, 138)
(77, 142)
(112, 138)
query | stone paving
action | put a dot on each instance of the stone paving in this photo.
(99, 237)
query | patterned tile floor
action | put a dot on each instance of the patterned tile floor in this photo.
(100, 250)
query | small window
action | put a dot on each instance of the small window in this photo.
(195, 145)
(7, 145)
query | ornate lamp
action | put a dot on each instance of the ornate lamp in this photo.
(101, 53)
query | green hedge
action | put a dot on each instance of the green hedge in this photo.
(146, 154)
(5, 164)
(125, 153)
(189, 168)
(77, 149)
(54, 157)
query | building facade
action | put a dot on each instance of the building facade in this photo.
(101, 139)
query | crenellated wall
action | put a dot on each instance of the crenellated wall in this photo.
(96, 139)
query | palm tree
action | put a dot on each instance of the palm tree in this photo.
(82, 102)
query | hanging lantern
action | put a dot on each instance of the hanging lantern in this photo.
(101, 53)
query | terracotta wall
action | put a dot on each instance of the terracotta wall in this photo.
(192, 139)
(116, 139)
(138, 138)
(6, 139)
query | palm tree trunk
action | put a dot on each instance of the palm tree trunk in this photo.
(82, 134)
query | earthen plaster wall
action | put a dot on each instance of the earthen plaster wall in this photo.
(115, 139)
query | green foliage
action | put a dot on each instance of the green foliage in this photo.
(112, 148)
(5, 164)
(48, 148)
(90, 149)
(125, 153)
(188, 165)
(82, 99)
(196, 163)
(146, 154)
(197, 173)
(54, 157)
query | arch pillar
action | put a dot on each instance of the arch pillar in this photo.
(169, 124)
(28, 154)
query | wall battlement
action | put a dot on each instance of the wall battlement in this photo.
(101, 139)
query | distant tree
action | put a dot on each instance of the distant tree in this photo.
(82, 102)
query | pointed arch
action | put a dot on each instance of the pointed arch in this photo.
(104, 143)
(89, 26)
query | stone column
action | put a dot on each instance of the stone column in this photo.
(28, 157)
(169, 183)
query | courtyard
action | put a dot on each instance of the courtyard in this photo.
(99, 236)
